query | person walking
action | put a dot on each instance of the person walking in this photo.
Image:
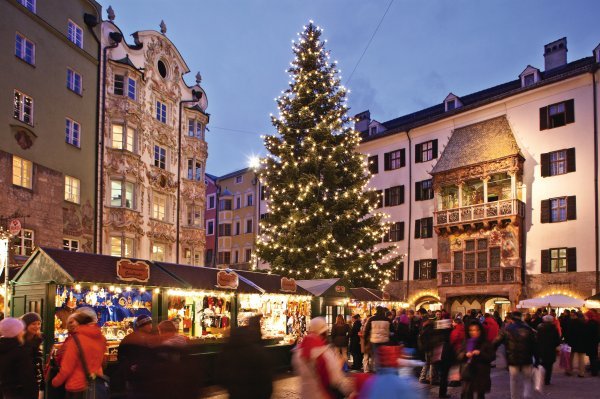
(426, 346)
(548, 339)
(519, 340)
(591, 339)
(89, 338)
(577, 342)
(355, 350)
(17, 374)
(319, 366)
(340, 336)
(446, 357)
(476, 356)
(33, 341)
(377, 332)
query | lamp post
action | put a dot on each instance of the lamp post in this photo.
(4, 237)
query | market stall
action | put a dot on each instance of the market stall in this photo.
(366, 300)
(331, 297)
(558, 301)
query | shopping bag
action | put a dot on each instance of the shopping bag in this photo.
(454, 373)
(538, 378)
(565, 357)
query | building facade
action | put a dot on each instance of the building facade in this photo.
(493, 195)
(49, 99)
(153, 150)
(210, 217)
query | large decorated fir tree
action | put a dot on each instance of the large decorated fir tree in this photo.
(320, 222)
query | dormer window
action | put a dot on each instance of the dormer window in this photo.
(451, 102)
(373, 130)
(529, 76)
(450, 105)
(528, 79)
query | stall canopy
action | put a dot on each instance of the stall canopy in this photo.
(556, 301)
(326, 287)
(372, 295)
(273, 283)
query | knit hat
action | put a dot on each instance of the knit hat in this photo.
(318, 325)
(86, 310)
(142, 320)
(11, 327)
(31, 317)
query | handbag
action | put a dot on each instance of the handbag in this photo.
(98, 385)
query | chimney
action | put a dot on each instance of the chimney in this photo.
(364, 118)
(555, 54)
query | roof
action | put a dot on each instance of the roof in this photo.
(369, 294)
(232, 174)
(318, 286)
(202, 278)
(12, 272)
(271, 283)
(126, 61)
(477, 143)
(474, 100)
(93, 268)
(212, 177)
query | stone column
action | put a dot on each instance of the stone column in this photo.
(460, 195)
(513, 185)
(485, 188)
(438, 201)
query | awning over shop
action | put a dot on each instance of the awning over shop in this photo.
(555, 301)
(337, 287)
(372, 295)
(274, 283)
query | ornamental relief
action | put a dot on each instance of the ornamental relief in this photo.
(193, 191)
(161, 231)
(193, 147)
(157, 49)
(161, 180)
(512, 164)
(124, 219)
(124, 163)
(192, 236)
(120, 107)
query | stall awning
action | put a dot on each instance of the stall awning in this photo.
(336, 287)
(274, 283)
(372, 295)
(556, 301)
(67, 267)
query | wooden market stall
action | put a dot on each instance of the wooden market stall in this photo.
(365, 301)
(331, 297)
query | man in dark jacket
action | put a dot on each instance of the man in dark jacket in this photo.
(576, 340)
(519, 340)
(357, 356)
(17, 374)
(592, 329)
(547, 341)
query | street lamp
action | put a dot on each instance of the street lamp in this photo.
(4, 237)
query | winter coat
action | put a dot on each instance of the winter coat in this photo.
(479, 366)
(339, 335)
(377, 330)
(547, 341)
(17, 374)
(591, 336)
(354, 337)
(519, 339)
(491, 328)
(426, 337)
(414, 326)
(319, 368)
(71, 371)
(576, 338)
(457, 336)
(34, 345)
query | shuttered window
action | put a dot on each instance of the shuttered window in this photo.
(394, 160)
(394, 196)
(425, 269)
(373, 164)
(557, 115)
(558, 209)
(426, 151)
(558, 260)
(424, 228)
(558, 162)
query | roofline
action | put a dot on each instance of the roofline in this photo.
(232, 174)
(518, 155)
(591, 67)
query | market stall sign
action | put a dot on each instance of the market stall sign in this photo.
(133, 271)
(227, 280)
(340, 288)
(288, 284)
(14, 227)
(386, 296)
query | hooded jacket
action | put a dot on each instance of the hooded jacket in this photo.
(17, 375)
(491, 328)
(520, 343)
(71, 372)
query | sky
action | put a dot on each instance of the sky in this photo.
(422, 51)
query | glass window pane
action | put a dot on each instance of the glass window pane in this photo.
(128, 247)
(129, 195)
(115, 246)
(116, 192)
(130, 139)
(117, 136)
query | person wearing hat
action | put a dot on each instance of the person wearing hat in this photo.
(33, 341)
(17, 374)
(548, 340)
(318, 365)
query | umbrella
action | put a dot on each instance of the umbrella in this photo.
(594, 297)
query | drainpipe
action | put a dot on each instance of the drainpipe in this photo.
(196, 96)
(597, 231)
(408, 258)
(116, 37)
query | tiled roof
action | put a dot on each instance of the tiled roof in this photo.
(93, 268)
(126, 61)
(212, 177)
(476, 143)
(271, 283)
(232, 174)
(369, 294)
(480, 98)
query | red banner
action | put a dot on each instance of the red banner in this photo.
(133, 271)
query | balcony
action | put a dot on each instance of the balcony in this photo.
(502, 209)
(498, 275)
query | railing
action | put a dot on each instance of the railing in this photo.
(472, 213)
(497, 275)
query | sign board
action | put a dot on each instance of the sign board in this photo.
(14, 227)
(133, 271)
(227, 280)
(288, 284)
(340, 288)
(386, 296)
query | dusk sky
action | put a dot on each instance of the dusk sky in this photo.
(422, 51)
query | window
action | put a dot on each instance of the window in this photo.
(264, 193)
(394, 160)
(208, 257)
(558, 162)
(194, 170)
(161, 111)
(238, 202)
(160, 157)
(558, 209)
(378, 198)
(158, 252)
(162, 68)
(23, 107)
(75, 34)
(29, 4)
(225, 205)
(482, 254)
(559, 260)
(425, 269)
(237, 229)
(236, 256)
(195, 129)
(495, 257)
(122, 246)
(159, 206)
(424, 228)
(249, 226)
(131, 88)
(123, 137)
(249, 199)
(72, 189)
(239, 179)
(119, 88)
(373, 130)
(247, 254)
(22, 172)
(72, 132)
(394, 196)
(119, 85)
(73, 81)
(458, 260)
(424, 190)
(426, 151)
(211, 201)
(24, 49)
(224, 258)
(557, 115)
(373, 164)
(396, 232)
(121, 194)
(450, 105)
(529, 79)
(210, 227)
(225, 230)
(23, 243)
(264, 216)
(70, 245)
(194, 215)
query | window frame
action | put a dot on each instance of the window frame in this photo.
(72, 190)
(249, 223)
(125, 137)
(373, 164)
(527, 76)
(426, 265)
(21, 107)
(225, 204)
(21, 248)
(239, 179)
(558, 259)
(73, 28)
(70, 131)
(194, 216)
(193, 165)
(68, 244)
(249, 199)
(159, 206)
(31, 5)
(22, 54)
(427, 151)
(210, 197)
(557, 163)
(396, 232)
(123, 241)
(154, 246)
(160, 156)
(558, 208)
(195, 128)
(72, 76)
(161, 111)
(124, 183)
(24, 178)
(247, 255)
(221, 255)
(210, 231)
(131, 95)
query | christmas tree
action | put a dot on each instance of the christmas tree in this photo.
(320, 222)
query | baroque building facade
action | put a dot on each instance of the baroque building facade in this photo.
(493, 196)
(153, 150)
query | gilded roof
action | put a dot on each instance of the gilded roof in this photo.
(480, 142)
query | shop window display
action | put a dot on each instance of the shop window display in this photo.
(201, 315)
